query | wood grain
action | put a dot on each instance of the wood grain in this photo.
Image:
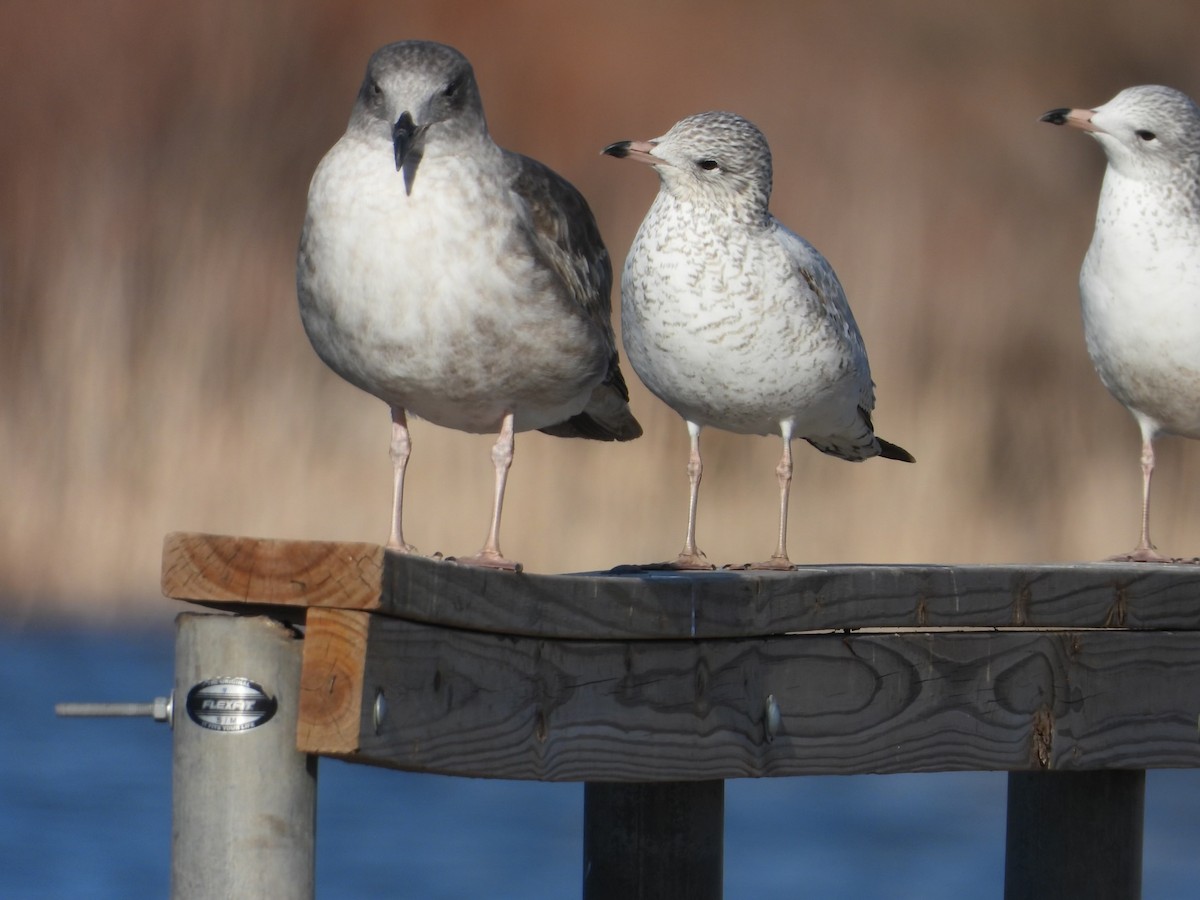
(331, 682)
(221, 570)
(483, 705)
(629, 604)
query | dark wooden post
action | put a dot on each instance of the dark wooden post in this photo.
(653, 841)
(1075, 835)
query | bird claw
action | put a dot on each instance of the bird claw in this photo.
(407, 549)
(774, 564)
(487, 559)
(690, 562)
(1141, 555)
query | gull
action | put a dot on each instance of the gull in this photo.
(456, 281)
(1140, 280)
(734, 321)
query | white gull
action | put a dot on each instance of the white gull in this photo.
(734, 321)
(1140, 281)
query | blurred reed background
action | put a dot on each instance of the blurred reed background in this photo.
(154, 161)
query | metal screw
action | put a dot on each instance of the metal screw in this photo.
(380, 710)
(772, 718)
(160, 709)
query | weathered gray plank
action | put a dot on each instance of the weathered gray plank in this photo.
(232, 572)
(483, 705)
(653, 604)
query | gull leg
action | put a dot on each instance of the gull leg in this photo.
(783, 472)
(400, 450)
(1145, 551)
(502, 457)
(690, 557)
(1144, 545)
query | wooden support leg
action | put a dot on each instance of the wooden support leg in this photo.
(244, 798)
(1074, 835)
(655, 841)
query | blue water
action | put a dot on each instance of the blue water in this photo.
(85, 811)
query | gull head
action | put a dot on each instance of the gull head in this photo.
(417, 94)
(716, 158)
(1148, 132)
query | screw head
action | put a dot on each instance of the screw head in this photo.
(772, 718)
(379, 710)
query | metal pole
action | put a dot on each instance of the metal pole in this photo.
(1075, 835)
(244, 799)
(653, 841)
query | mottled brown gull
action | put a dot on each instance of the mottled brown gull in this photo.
(454, 280)
(734, 321)
(1140, 280)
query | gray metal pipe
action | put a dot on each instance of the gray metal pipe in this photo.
(244, 799)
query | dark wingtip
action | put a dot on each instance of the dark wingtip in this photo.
(620, 149)
(1055, 116)
(583, 425)
(892, 451)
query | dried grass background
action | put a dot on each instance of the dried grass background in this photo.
(154, 161)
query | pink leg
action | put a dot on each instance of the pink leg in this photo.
(1145, 551)
(1144, 544)
(690, 556)
(401, 448)
(502, 457)
(783, 472)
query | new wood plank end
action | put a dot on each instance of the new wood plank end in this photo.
(331, 681)
(210, 568)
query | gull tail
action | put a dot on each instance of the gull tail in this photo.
(894, 451)
(607, 416)
(866, 444)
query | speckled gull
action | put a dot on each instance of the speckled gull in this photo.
(454, 280)
(1140, 281)
(734, 321)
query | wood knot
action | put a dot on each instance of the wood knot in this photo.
(1021, 602)
(1119, 609)
(1042, 740)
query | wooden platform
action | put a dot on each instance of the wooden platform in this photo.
(640, 676)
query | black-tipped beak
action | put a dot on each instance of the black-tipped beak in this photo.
(404, 133)
(1056, 116)
(1075, 118)
(639, 150)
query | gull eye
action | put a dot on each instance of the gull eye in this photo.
(1145, 135)
(451, 90)
(708, 164)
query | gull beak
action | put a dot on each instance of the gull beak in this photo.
(639, 150)
(406, 136)
(1075, 118)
